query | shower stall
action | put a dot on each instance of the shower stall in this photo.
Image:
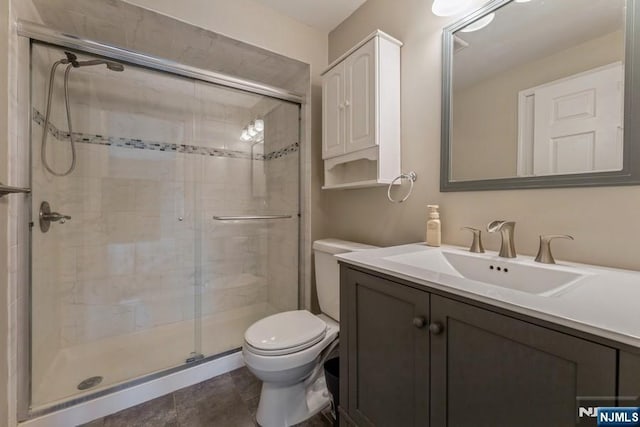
(162, 225)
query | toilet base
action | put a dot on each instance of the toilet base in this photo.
(284, 406)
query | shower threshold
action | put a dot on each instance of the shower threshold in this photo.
(121, 359)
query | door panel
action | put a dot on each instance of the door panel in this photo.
(493, 370)
(629, 380)
(333, 112)
(578, 123)
(360, 101)
(388, 355)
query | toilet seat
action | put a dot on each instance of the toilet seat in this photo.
(285, 333)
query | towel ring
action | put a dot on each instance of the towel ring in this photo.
(411, 176)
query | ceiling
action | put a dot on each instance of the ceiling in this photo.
(524, 32)
(323, 15)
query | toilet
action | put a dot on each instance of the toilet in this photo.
(286, 351)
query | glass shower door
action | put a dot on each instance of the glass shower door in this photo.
(112, 287)
(184, 221)
(249, 208)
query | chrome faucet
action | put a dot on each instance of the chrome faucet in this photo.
(506, 228)
(544, 251)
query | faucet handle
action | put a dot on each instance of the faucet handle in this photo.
(499, 224)
(476, 245)
(544, 251)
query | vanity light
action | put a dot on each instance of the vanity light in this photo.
(449, 7)
(258, 124)
(479, 24)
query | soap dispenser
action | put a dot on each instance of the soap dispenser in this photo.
(434, 233)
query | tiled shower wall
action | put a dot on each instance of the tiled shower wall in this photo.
(142, 200)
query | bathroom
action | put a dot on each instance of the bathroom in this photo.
(210, 176)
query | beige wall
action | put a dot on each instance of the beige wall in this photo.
(485, 115)
(254, 23)
(4, 312)
(603, 220)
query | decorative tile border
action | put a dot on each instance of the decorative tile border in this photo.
(113, 141)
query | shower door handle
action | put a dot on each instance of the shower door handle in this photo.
(250, 217)
(47, 217)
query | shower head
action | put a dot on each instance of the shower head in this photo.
(113, 66)
(73, 60)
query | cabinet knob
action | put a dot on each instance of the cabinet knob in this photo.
(436, 328)
(341, 106)
(347, 103)
(419, 322)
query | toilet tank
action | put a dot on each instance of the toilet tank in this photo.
(328, 272)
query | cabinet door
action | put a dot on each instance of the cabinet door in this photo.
(629, 380)
(492, 370)
(360, 102)
(388, 357)
(333, 115)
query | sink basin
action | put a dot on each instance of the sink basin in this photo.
(521, 275)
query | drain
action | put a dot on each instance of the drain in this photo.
(89, 383)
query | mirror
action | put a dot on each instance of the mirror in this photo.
(536, 93)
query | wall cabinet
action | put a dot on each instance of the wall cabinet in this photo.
(410, 357)
(361, 115)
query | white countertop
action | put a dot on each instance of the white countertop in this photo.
(605, 303)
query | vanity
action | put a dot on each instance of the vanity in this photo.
(445, 337)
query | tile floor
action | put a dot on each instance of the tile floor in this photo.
(229, 400)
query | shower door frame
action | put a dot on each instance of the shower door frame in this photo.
(38, 33)
(44, 34)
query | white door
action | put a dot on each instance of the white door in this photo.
(578, 123)
(333, 115)
(360, 98)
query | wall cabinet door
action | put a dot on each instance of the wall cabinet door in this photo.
(333, 114)
(388, 352)
(360, 71)
(492, 370)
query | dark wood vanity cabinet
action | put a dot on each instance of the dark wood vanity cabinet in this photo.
(411, 357)
(488, 369)
(388, 345)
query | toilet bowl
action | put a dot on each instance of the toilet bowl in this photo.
(286, 351)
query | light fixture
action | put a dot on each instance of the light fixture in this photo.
(449, 7)
(253, 132)
(245, 135)
(479, 24)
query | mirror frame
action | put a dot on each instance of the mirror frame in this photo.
(630, 173)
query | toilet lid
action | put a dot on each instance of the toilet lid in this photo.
(285, 332)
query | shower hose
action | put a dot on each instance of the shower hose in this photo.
(45, 130)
